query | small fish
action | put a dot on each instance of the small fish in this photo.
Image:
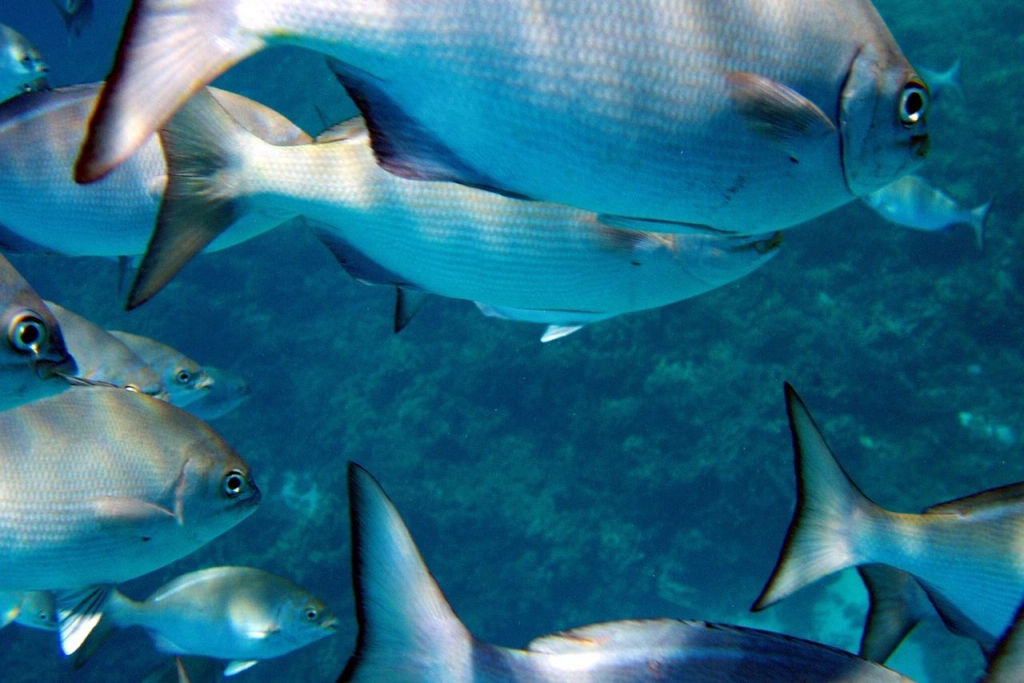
(34, 360)
(186, 380)
(730, 115)
(965, 553)
(101, 485)
(436, 238)
(35, 609)
(228, 390)
(913, 203)
(76, 14)
(408, 632)
(239, 614)
(43, 210)
(22, 67)
(104, 358)
(940, 82)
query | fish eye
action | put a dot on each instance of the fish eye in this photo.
(312, 614)
(132, 388)
(183, 377)
(27, 333)
(913, 103)
(234, 482)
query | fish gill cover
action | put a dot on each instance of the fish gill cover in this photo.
(639, 468)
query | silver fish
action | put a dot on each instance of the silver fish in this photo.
(102, 357)
(964, 553)
(22, 67)
(186, 380)
(35, 609)
(76, 14)
(101, 485)
(738, 115)
(409, 633)
(239, 614)
(228, 391)
(42, 209)
(34, 359)
(913, 203)
(440, 238)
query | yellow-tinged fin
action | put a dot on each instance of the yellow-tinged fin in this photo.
(350, 129)
(168, 51)
(632, 634)
(897, 603)
(200, 200)
(78, 612)
(776, 111)
(820, 540)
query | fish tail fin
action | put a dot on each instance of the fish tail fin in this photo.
(897, 603)
(202, 146)
(407, 629)
(822, 538)
(979, 219)
(169, 49)
(1006, 664)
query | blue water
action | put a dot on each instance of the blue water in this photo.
(639, 468)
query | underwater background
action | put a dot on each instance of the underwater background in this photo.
(639, 468)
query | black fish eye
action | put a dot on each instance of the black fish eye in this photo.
(27, 333)
(914, 103)
(183, 377)
(233, 483)
(312, 614)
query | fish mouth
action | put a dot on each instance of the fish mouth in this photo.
(66, 368)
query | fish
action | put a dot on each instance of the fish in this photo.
(76, 14)
(914, 203)
(185, 379)
(896, 605)
(963, 553)
(104, 358)
(35, 609)
(22, 66)
(100, 485)
(439, 238)
(409, 633)
(227, 391)
(35, 362)
(42, 210)
(241, 614)
(940, 82)
(728, 115)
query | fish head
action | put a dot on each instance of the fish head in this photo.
(215, 490)
(309, 620)
(883, 118)
(36, 359)
(23, 60)
(226, 392)
(187, 381)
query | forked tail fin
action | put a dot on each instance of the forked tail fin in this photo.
(822, 537)
(169, 50)
(408, 632)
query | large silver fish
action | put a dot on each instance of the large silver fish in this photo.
(408, 632)
(102, 357)
(914, 203)
(239, 614)
(22, 67)
(186, 380)
(966, 553)
(43, 209)
(101, 485)
(738, 115)
(441, 238)
(34, 360)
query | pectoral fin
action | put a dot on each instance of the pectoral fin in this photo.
(647, 225)
(408, 302)
(78, 612)
(776, 111)
(554, 332)
(238, 666)
(117, 510)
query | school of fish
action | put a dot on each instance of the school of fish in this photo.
(553, 162)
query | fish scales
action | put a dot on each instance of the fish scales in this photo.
(630, 107)
(62, 489)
